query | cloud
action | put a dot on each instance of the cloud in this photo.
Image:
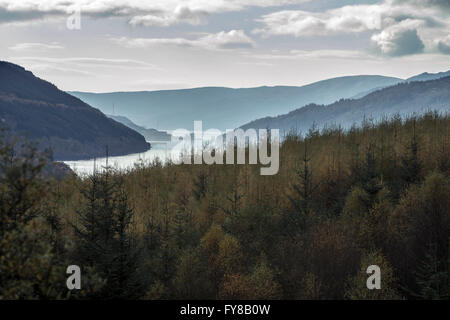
(52, 70)
(234, 39)
(398, 40)
(397, 27)
(35, 46)
(348, 19)
(443, 45)
(137, 12)
(330, 54)
(315, 55)
(85, 62)
(179, 15)
(441, 4)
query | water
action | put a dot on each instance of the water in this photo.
(159, 151)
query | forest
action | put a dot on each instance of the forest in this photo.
(376, 194)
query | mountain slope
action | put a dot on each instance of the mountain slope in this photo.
(36, 108)
(225, 108)
(149, 134)
(421, 77)
(404, 98)
(429, 76)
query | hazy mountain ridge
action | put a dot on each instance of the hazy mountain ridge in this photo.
(429, 76)
(149, 134)
(36, 108)
(421, 77)
(226, 108)
(404, 98)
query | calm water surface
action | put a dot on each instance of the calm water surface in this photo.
(159, 151)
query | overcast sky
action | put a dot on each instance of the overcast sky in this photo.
(129, 45)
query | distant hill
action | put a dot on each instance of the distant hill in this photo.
(149, 134)
(225, 108)
(429, 76)
(404, 98)
(36, 108)
(421, 77)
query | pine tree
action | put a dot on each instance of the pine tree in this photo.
(184, 229)
(432, 279)
(104, 239)
(29, 267)
(21, 186)
(302, 193)
(53, 218)
(367, 178)
(411, 165)
(200, 186)
(124, 272)
(370, 179)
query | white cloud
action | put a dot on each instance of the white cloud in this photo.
(30, 46)
(302, 23)
(440, 4)
(400, 39)
(347, 19)
(234, 39)
(85, 62)
(51, 70)
(398, 27)
(180, 14)
(443, 45)
(330, 54)
(138, 12)
(315, 55)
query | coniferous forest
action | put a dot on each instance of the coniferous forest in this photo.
(377, 194)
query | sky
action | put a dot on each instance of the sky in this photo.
(134, 45)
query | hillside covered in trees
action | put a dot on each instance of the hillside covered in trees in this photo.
(377, 194)
(72, 129)
(405, 98)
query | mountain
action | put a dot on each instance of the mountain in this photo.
(74, 130)
(404, 98)
(149, 134)
(225, 108)
(429, 76)
(421, 77)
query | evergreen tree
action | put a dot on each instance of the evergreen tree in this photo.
(29, 267)
(21, 184)
(104, 239)
(302, 194)
(432, 277)
(411, 165)
(200, 186)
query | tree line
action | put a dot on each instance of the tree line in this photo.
(377, 194)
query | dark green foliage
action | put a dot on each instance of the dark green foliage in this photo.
(200, 186)
(411, 165)
(432, 277)
(298, 218)
(303, 189)
(378, 194)
(30, 267)
(105, 240)
(21, 187)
